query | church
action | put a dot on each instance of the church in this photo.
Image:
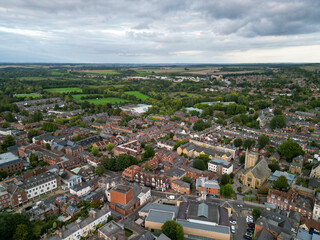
(255, 172)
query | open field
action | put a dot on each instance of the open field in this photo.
(311, 68)
(102, 72)
(183, 94)
(111, 100)
(63, 90)
(32, 95)
(138, 94)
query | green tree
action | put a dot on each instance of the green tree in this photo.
(9, 117)
(256, 212)
(100, 169)
(33, 160)
(290, 149)
(173, 230)
(146, 166)
(3, 175)
(148, 152)
(277, 111)
(5, 124)
(32, 133)
(179, 143)
(263, 140)
(9, 223)
(8, 141)
(226, 190)
(95, 151)
(199, 164)
(263, 190)
(274, 167)
(48, 146)
(281, 184)
(225, 179)
(22, 232)
(242, 159)
(237, 142)
(248, 143)
(95, 203)
(109, 147)
(278, 121)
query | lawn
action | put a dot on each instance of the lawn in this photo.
(63, 90)
(138, 95)
(32, 95)
(111, 100)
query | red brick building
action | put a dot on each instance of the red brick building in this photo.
(122, 199)
(129, 173)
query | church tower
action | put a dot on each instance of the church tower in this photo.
(250, 160)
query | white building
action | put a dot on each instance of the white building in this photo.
(316, 209)
(80, 189)
(78, 229)
(40, 184)
(220, 166)
(144, 195)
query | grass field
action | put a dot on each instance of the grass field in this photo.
(138, 94)
(111, 100)
(63, 90)
(54, 73)
(102, 72)
(32, 95)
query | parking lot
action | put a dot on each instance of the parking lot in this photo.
(241, 226)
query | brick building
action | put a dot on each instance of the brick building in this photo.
(10, 163)
(208, 187)
(129, 173)
(122, 199)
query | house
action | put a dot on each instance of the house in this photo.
(274, 176)
(180, 186)
(112, 230)
(80, 189)
(129, 173)
(316, 208)
(81, 228)
(255, 176)
(69, 179)
(275, 156)
(208, 187)
(295, 168)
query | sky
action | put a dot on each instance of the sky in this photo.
(163, 31)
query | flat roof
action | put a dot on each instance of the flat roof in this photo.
(160, 207)
(159, 216)
(122, 188)
(8, 158)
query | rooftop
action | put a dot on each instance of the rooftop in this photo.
(8, 159)
(122, 189)
(159, 216)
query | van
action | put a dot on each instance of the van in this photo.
(171, 197)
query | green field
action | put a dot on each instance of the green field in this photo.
(138, 94)
(32, 95)
(111, 100)
(102, 72)
(63, 90)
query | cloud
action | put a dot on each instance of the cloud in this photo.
(154, 31)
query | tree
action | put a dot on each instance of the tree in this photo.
(109, 147)
(100, 169)
(179, 143)
(274, 167)
(148, 152)
(146, 166)
(95, 150)
(248, 143)
(237, 142)
(199, 164)
(9, 223)
(256, 212)
(48, 146)
(5, 124)
(188, 180)
(263, 140)
(277, 111)
(173, 230)
(226, 190)
(95, 203)
(33, 160)
(278, 121)
(3, 175)
(281, 184)
(199, 125)
(242, 159)
(290, 149)
(8, 141)
(263, 190)
(32, 133)
(9, 117)
(22, 232)
(225, 179)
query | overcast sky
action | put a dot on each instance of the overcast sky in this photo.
(163, 31)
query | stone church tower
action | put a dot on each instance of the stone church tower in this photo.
(250, 160)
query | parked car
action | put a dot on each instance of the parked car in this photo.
(233, 221)
(233, 229)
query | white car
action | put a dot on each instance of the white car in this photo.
(233, 229)
(239, 205)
